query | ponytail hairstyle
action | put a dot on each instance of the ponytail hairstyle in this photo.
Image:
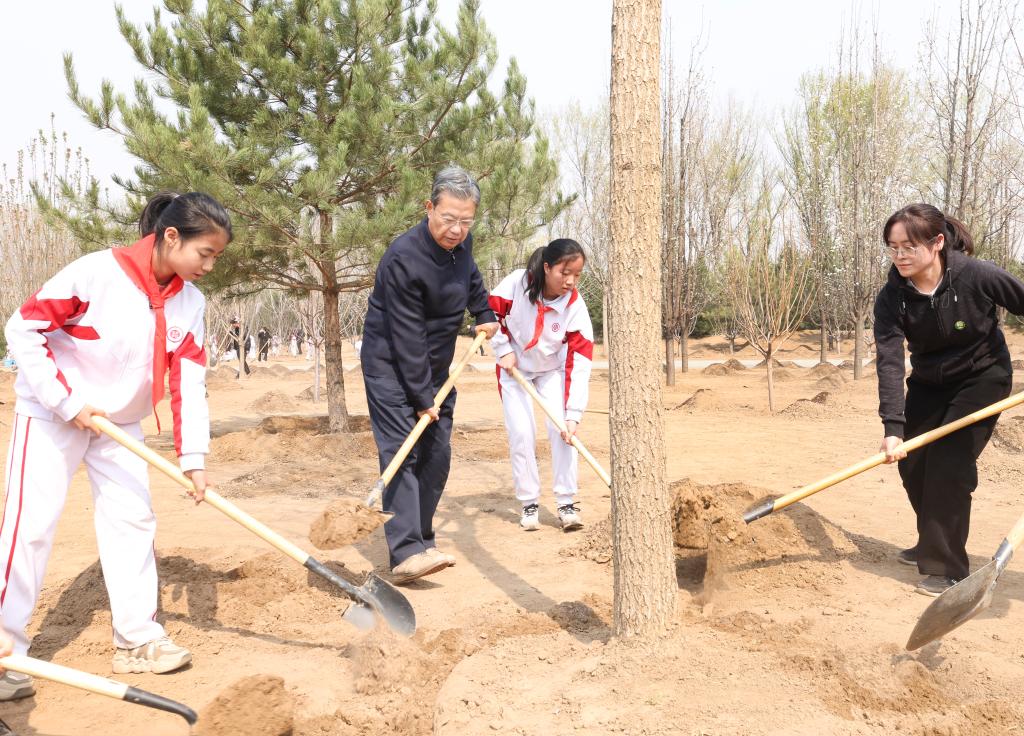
(191, 214)
(551, 254)
(924, 223)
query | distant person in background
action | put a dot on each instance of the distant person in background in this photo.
(293, 345)
(275, 346)
(236, 342)
(263, 343)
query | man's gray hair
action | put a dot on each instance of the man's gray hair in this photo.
(456, 181)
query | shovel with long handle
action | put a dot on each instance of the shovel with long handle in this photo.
(769, 507)
(375, 596)
(965, 600)
(396, 462)
(559, 422)
(95, 684)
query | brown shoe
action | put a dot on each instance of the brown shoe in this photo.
(416, 567)
(443, 555)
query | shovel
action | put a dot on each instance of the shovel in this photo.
(396, 462)
(373, 598)
(94, 684)
(965, 600)
(559, 422)
(768, 507)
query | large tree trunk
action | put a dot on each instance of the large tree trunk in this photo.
(684, 351)
(644, 571)
(337, 410)
(604, 321)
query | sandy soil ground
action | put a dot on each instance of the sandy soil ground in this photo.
(794, 625)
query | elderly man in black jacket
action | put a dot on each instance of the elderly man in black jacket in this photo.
(425, 282)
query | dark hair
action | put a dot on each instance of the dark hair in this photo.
(924, 223)
(551, 254)
(190, 214)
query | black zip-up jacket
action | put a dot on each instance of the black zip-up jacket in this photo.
(420, 294)
(951, 334)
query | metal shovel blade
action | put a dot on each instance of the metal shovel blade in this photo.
(390, 604)
(957, 605)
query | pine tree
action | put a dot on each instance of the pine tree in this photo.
(319, 125)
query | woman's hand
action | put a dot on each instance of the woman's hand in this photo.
(84, 418)
(508, 362)
(571, 426)
(889, 445)
(198, 478)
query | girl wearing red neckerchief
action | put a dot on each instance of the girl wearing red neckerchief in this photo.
(546, 333)
(98, 339)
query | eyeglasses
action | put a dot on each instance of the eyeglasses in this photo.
(449, 222)
(910, 250)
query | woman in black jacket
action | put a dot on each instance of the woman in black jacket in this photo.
(943, 303)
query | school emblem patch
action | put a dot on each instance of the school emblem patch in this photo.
(555, 326)
(959, 324)
(175, 334)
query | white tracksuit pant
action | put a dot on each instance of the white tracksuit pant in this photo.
(43, 457)
(522, 436)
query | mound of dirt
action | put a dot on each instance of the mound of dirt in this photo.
(823, 369)
(703, 399)
(257, 705)
(272, 401)
(279, 369)
(820, 406)
(716, 549)
(832, 381)
(716, 369)
(296, 438)
(307, 394)
(344, 522)
(734, 365)
(595, 544)
(782, 374)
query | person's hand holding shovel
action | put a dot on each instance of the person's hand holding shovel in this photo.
(889, 445)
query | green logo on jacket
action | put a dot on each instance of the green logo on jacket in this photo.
(959, 324)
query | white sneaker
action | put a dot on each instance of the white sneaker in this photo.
(158, 656)
(14, 685)
(530, 520)
(569, 515)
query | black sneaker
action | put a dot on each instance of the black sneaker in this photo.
(907, 557)
(935, 585)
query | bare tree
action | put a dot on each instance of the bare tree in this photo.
(644, 580)
(768, 278)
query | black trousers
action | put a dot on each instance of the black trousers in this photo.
(264, 352)
(940, 477)
(416, 489)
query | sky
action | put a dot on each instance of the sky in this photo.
(755, 52)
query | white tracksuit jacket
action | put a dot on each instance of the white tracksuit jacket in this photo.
(86, 337)
(553, 345)
(546, 337)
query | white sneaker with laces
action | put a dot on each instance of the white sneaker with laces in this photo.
(158, 656)
(530, 520)
(569, 515)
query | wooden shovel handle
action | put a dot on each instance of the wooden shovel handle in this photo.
(64, 675)
(560, 423)
(909, 446)
(1016, 535)
(421, 425)
(211, 497)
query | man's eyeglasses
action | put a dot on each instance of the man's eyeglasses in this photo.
(450, 222)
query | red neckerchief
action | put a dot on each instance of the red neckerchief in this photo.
(137, 262)
(538, 326)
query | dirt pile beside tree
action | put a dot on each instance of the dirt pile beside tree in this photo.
(257, 705)
(344, 522)
(272, 401)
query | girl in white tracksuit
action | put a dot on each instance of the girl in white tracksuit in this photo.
(546, 333)
(98, 339)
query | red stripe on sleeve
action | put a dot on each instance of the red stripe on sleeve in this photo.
(17, 519)
(500, 306)
(576, 344)
(188, 350)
